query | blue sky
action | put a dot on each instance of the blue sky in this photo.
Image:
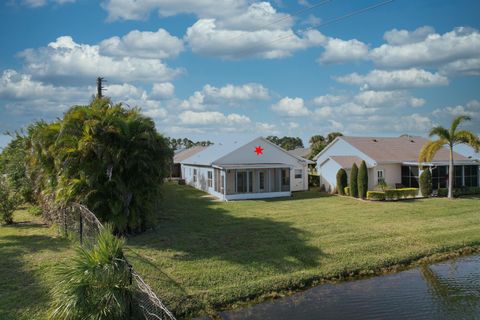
(236, 69)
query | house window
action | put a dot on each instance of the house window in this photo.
(471, 176)
(457, 178)
(194, 175)
(410, 176)
(298, 173)
(210, 178)
(261, 181)
(380, 176)
(439, 177)
(285, 179)
(241, 181)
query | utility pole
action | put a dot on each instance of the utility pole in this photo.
(100, 87)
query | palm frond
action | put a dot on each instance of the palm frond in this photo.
(441, 132)
(468, 137)
(429, 149)
(456, 122)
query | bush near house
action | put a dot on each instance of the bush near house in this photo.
(313, 180)
(426, 183)
(354, 181)
(392, 194)
(342, 181)
(362, 180)
(457, 192)
(375, 195)
(347, 191)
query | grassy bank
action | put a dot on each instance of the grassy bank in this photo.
(206, 255)
(29, 251)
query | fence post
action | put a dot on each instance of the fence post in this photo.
(81, 230)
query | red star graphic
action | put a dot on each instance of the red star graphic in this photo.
(259, 150)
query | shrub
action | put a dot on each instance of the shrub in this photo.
(354, 181)
(457, 192)
(35, 211)
(8, 202)
(375, 195)
(381, 185)
(313, 180)
(442, 192)
(346, 191)
(362, 180)
(341, 181)
(395, 194)
(426, 183)
(96, 284)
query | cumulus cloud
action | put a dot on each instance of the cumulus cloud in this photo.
(396, 79)
(292, 107)
(394, 98)
(328, 99)
(338, 51)
(66, 59)
(163, 90)
(38, 3)
(206, 38)
(434, 50)
(213, 118)
(211, 95)
(143, 44)
(140, 9)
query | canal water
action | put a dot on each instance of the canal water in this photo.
(446, 290)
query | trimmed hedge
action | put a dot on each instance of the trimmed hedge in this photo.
(375, 195)
(354, 181)
(342, 181)
(426, 183)
(313, 180)
(392, 194)
(362, 180)
(346, 190)
(465, 191)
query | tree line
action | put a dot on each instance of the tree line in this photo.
(317, 142)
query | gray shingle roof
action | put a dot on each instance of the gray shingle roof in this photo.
(187, 153)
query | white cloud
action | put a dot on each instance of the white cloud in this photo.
(162, 90)
(214, 119)
(247, 91)
(401, 37)
(312, 20)
(66, 59)
(292, 107)
(143, 44)
(140, 9)
(435, 49)
(328, 99)
(38, 3)
(395, 98)
(206, 38)
(338, 50)
(396, 79)
(266, 127)
(293, 125)
(194, 102)
(469, 67)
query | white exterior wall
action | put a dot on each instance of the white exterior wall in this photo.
(202, 178)
(392, 174)
(328, 174)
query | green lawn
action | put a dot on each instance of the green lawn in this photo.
(29, 250)
(207, 255)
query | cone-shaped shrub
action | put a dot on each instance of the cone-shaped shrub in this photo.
(426, 183)
(362, 180)
(342, 181)
(354, 181)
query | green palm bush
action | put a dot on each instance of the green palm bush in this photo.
(97, 284)
(342, 181)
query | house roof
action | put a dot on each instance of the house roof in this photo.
(396, 149)
(346, 162)
(211, 154)
(300, 152)
(187, 153)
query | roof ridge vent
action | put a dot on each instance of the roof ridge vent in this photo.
(374, 140)
(411, 140)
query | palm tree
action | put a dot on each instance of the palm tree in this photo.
(451, 138)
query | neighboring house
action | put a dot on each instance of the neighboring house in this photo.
(181, 155)
(257, 169)
(393, 160)
(300, 152)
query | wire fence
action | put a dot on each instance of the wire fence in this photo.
(78, 222)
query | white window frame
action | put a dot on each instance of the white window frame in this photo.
(210, 178)
(380, 177)
(195, 172)
(298, 173)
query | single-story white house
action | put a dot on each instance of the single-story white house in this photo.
(393, 160)
(235, 171)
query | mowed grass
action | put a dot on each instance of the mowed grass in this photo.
(29, 252)
(205, 255)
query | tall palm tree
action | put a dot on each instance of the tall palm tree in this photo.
(451, 138)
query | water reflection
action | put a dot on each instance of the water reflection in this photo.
(448, 290)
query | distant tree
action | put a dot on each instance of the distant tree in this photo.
(8, 201)
(185, 143)
(342, 181)
(450, 138)
(354, 181)
(287, 143)
(319, 142)
(426, 182)
(362, 180)
(332, 135)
